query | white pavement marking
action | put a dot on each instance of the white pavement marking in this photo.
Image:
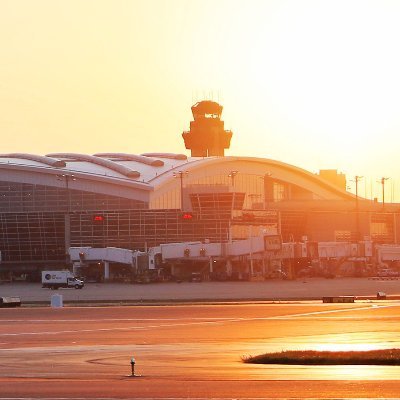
(198, 398)
(313, 313)
(129, 328)
(332, 311)
(112, 319)
(214, 321)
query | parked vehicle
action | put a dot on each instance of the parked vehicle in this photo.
(387, 272)
(196, 277)
(60, 279)
(306, 272)
(277, 274)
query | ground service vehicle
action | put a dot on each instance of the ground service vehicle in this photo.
(60, 279)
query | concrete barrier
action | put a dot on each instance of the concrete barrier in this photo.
(384, 278)
(10, 302)
(338, 299)
(56, 301)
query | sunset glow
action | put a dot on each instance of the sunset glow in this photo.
(312, 83)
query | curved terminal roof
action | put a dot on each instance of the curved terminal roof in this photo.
(131, 157)
(53, 162)
(113, 166)
(155, 171)
(171, 156)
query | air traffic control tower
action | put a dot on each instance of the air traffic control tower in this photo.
(207, 136)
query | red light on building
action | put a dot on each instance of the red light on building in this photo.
(98, 218)
(187, 216)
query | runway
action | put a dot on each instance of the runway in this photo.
(193, 351)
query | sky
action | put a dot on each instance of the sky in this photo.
(312, 83)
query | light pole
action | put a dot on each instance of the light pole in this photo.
(265, 181)
(181, 175)
(253, 198)
(67, 217)
(383, 179)
(232, 175)
(67, 178)
(356, 180)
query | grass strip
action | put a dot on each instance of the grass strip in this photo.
(312, 357)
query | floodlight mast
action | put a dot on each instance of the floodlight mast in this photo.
(383, 179)
(67, 217)
(357, 179)
(181, 175)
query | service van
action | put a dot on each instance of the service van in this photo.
(60, 279)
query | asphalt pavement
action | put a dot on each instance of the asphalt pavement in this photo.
(192, 351)
(269, 290)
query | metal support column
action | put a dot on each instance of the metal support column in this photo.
(106, 270)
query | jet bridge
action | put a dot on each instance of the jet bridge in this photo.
(137, 260)
(386, 253)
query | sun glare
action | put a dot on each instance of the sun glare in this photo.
(320, 74)
(345, 347)
(327, 71)
(359, 341)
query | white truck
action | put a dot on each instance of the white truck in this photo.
(60, 279)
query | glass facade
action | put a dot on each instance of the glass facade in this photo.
(24, 197)
(35, 237)
(216, 205)
(382, 228)
(32, 223)
(261, 191)
(39, 237)
(32, 218)
(137, 229)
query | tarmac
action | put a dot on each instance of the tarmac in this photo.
(228, 291)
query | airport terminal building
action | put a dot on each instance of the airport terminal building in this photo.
(51, 202)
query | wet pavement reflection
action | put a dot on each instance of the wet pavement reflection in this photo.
(206, 348)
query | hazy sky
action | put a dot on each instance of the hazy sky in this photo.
(315, 84)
